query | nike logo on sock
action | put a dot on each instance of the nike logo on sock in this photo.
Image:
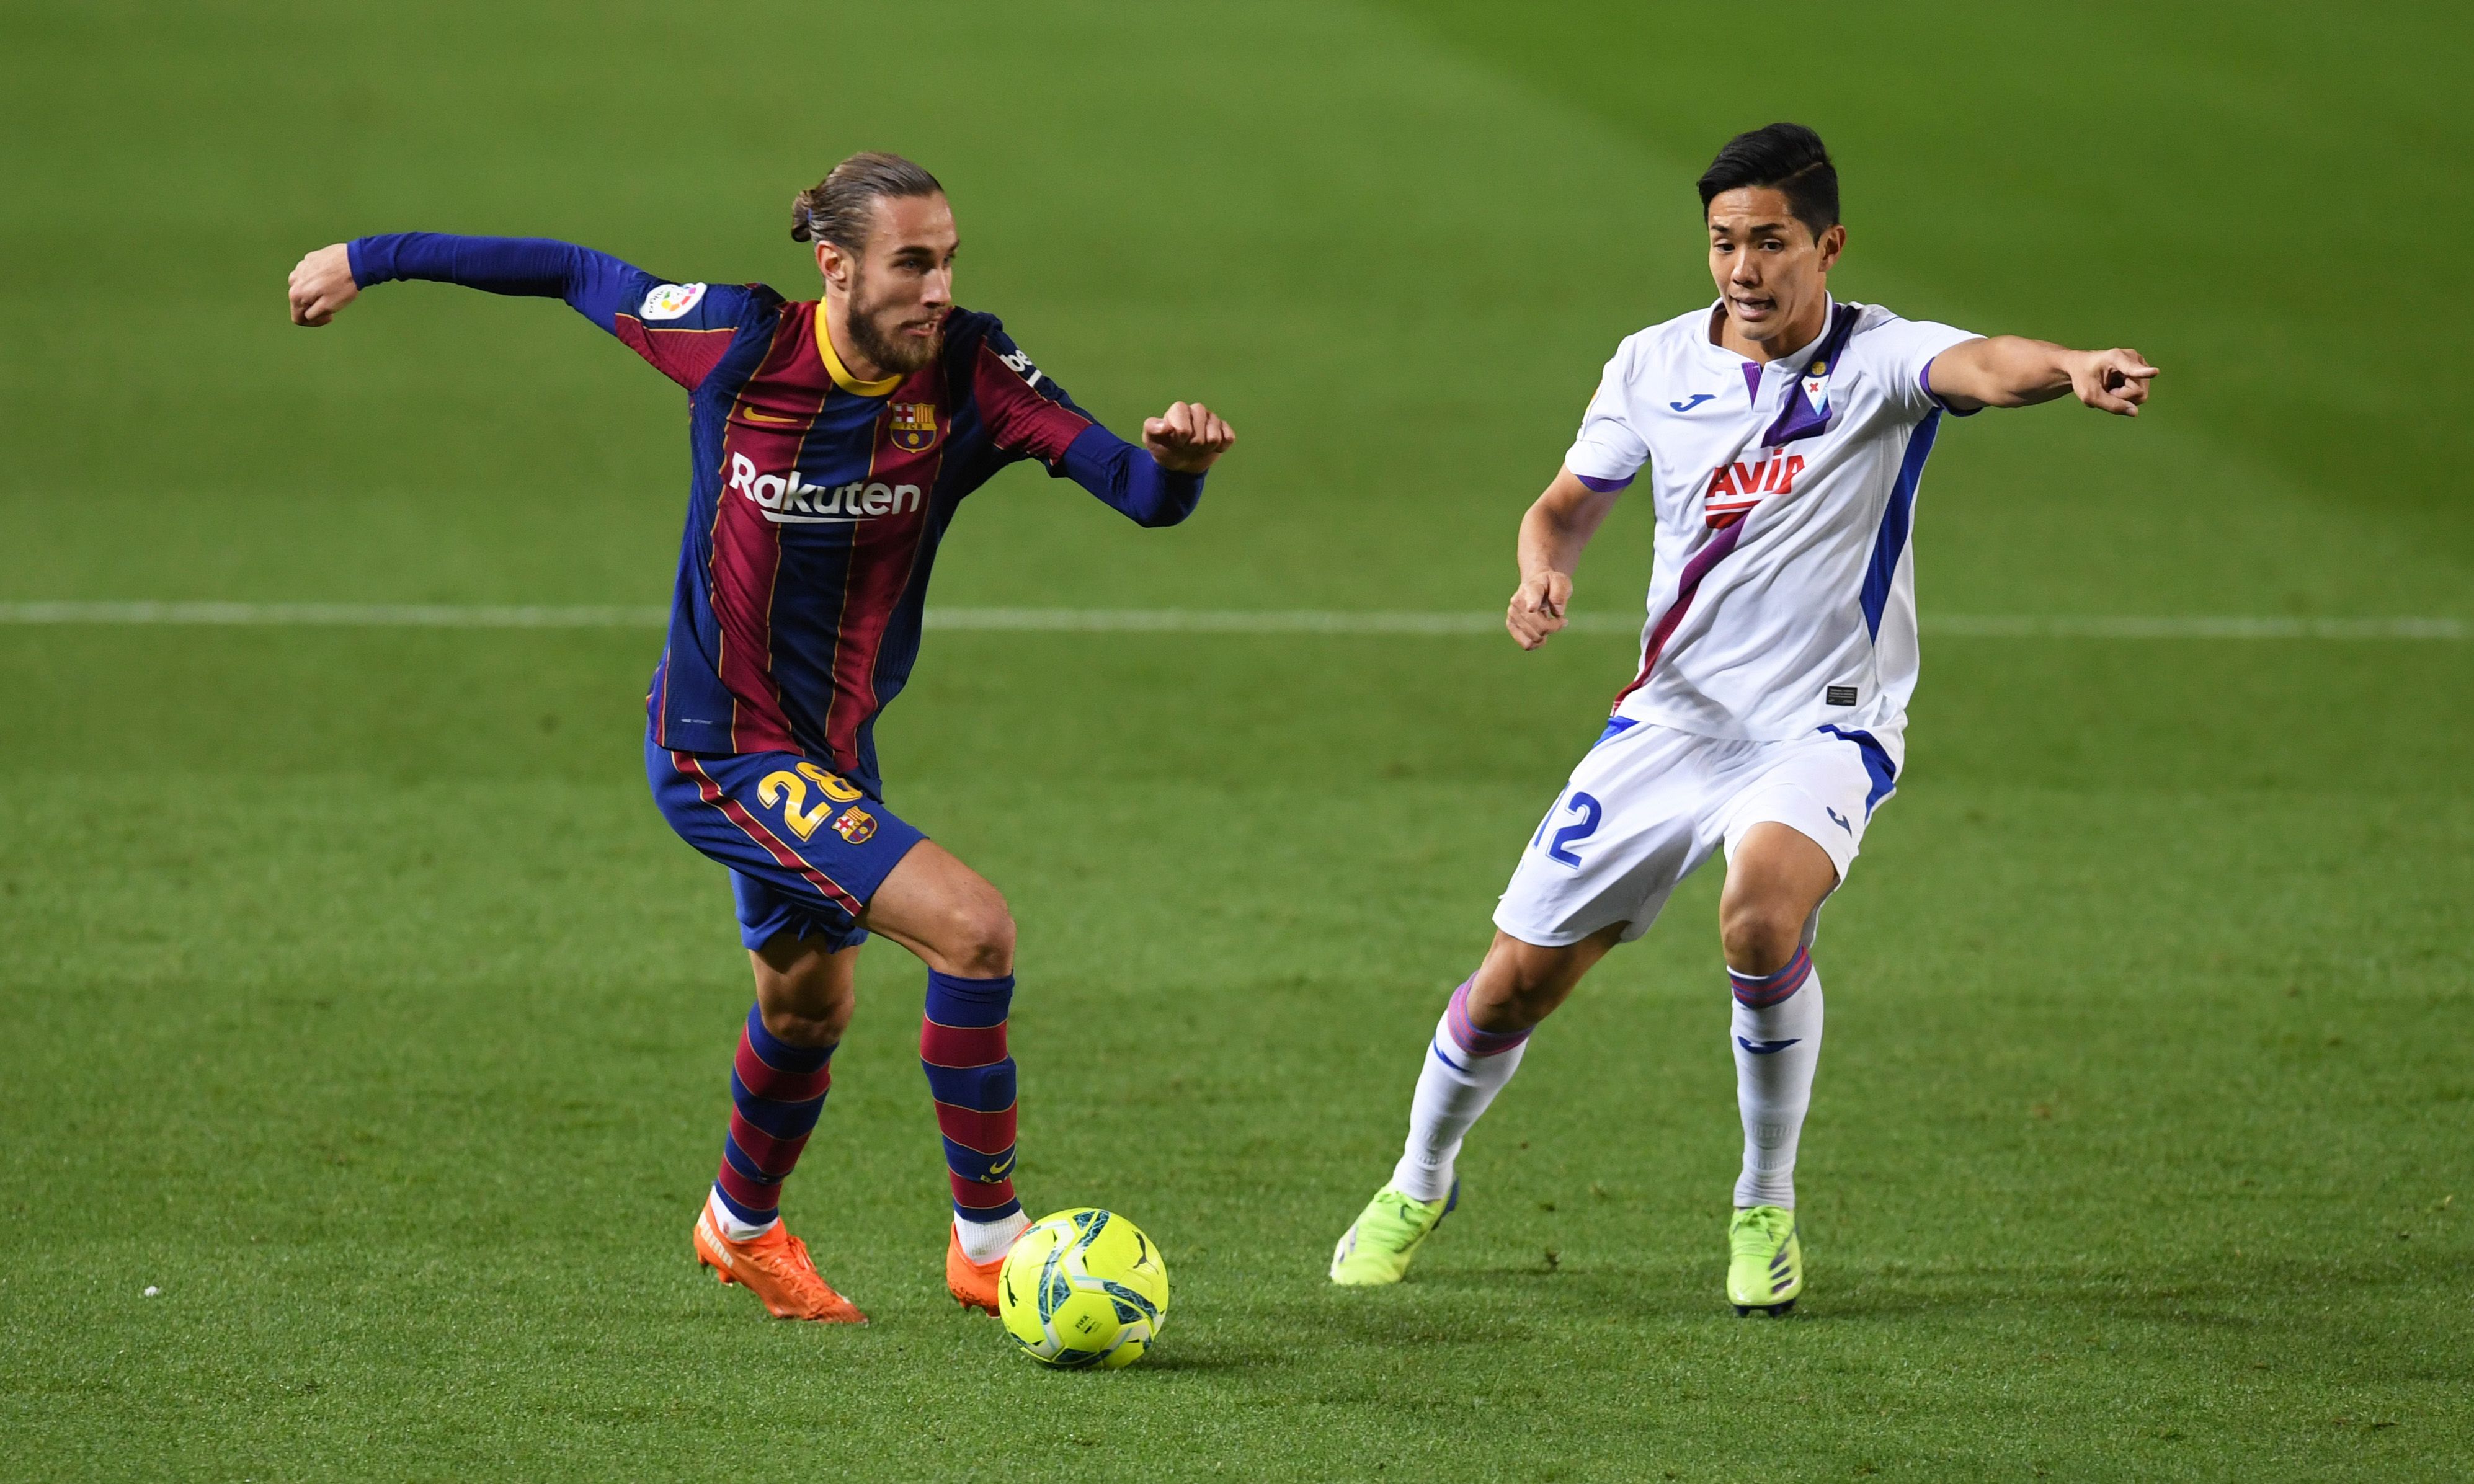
(1766, 1047)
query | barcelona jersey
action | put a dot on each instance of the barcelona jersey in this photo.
(816, 501)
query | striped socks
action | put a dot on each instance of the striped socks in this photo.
(970, 1074)
(776, 1091)
(1777, 1034)
(1465, 1068)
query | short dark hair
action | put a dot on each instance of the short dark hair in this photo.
(1787, 157)
(839, 209)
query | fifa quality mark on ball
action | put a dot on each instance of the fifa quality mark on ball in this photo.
(1083, 1289)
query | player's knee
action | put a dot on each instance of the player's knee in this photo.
(805, 1004)
(1760, 937)
(815, 1021)
(980, 935)
(1519, 985)
(800, 1027)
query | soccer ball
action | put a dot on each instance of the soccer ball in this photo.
(1084, 1288)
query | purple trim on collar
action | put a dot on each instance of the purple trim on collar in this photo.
(1799, 420)
(1924, 385)
(1752, 382)
(1602, 486)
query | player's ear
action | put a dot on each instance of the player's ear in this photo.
(1833, 243)
(833, 264)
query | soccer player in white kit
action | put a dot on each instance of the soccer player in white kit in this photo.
(1783, 434)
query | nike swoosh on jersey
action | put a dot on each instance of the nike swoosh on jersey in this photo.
(754, 416)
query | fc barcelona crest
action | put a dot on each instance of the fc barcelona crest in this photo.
(855, 825)
(914, 425)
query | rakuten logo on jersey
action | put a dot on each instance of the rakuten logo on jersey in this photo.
(787, 499)
(1736, 487)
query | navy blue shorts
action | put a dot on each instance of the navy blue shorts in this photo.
(806, 847)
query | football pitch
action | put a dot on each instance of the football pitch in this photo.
(357, 1006)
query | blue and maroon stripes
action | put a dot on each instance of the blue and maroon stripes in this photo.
(1760, 991)
(776, 1091)
(882, 558)
(1018, 416)
(746, 548)
(971, 1076)
(1467, 1038)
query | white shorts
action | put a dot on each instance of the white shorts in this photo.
(1649, 804)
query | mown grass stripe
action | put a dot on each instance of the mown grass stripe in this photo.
(1184, 620)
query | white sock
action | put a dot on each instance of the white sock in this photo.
(732, 1226)
(1778, 1046)
(1465, 1069)
(987, 1241)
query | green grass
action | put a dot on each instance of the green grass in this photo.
(353, 992)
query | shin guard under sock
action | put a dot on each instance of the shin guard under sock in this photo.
(1465, 1068)
(962, 1050)
(1777, 1037)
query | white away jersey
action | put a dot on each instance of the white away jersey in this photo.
(1782, 595)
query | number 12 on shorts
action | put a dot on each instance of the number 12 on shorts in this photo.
(1587, 812)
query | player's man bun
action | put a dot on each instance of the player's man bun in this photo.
(839, 207)
(1787, 157)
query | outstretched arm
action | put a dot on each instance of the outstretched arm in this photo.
(1553, 533)
(596, 284)
(2008, 371)
(683, 329)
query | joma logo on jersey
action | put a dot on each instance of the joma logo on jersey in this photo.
(914, 425)
(1738, 487)
(787, 499)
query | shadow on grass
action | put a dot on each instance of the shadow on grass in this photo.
(1208, 1357)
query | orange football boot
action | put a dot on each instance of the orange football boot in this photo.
(776, 1269)
(973, 1284)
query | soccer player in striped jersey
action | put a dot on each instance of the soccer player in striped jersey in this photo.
(832, 442)
(1783, 433)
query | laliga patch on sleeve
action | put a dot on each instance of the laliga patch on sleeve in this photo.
(670, 301)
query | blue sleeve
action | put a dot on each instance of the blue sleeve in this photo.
(682, 329)
(1128, 478)
(596, 284)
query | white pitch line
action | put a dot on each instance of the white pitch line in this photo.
(1176, 620)
(336, 615)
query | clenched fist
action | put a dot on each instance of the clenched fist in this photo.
(1187, 437)
(1537, 610)
(320, 285)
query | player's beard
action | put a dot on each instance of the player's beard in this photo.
(875, 334)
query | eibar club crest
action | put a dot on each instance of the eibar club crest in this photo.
(1816, 385)
(914, 425)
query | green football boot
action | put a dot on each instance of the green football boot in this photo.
(1766, 1265)
(1379, 1245)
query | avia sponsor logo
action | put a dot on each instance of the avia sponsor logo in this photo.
(1737, 487)
(787, 499)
